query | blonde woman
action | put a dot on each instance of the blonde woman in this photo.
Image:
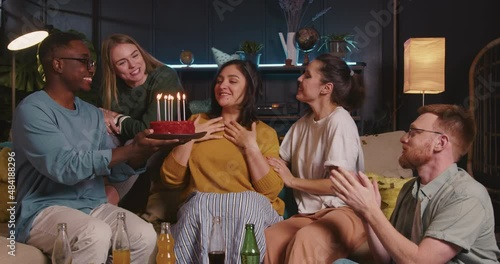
(131, 80)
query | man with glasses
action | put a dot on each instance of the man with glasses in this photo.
(61, 150)
(90, 62)
(442, 215)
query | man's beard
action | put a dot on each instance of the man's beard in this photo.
(413, 158)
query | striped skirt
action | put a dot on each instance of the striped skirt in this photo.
(192, 231)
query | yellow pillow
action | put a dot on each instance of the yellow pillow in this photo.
(389, 188)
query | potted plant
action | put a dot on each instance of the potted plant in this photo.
(251, 51)
(339, 44)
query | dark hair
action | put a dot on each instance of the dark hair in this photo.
(248, 111)
(348, 90)
(53, 42)
(456, 122)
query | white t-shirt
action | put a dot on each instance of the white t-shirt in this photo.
(309, 146)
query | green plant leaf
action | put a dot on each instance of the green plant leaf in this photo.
(251, 47)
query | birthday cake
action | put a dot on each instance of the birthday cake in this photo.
(172, 127)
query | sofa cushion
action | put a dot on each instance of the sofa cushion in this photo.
(382, 152)
(23, 253)
(389, 188)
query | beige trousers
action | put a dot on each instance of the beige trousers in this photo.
(91, 236)
(318, 238)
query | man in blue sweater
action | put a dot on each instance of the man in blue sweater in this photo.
(61, 152)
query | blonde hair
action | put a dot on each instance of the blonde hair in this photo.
(109, 86)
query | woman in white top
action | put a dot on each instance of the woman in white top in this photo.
(325, 138)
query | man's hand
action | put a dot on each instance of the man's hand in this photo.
(143, 144)
(355, 190)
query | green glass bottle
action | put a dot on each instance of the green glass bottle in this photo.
(250, 253)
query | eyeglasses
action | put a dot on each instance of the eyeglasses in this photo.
(90, 62)
(412, 131)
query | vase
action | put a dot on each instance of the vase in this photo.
(338, 48)
(253, 57)
(289, 47)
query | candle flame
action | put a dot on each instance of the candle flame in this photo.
(178, 96)
(183, 96)
(165, 97)
(158, 96)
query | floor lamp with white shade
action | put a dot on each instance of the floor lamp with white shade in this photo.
(22, 42)
(424, 66)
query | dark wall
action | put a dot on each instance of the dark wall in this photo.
(166, 27)
(467, 26)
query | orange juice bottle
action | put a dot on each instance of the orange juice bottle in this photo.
(121, 256)
(121, 244)
(166, 254)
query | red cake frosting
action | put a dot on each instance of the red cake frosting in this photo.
(172, 127)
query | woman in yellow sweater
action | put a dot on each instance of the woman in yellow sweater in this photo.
(225, 173)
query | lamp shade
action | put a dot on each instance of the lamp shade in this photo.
(27, 40)
(424, 65)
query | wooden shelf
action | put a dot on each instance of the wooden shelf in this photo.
(266, 68)
(276, 117)
(278, 107)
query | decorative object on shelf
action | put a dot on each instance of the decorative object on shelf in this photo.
(251, 51)
(339, 45)
(294, 14)
(289, 47)
(306, 39)
(424, 66)
(222, 57)
(186, 57)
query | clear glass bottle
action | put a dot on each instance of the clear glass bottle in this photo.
(165, 242)
(250, 253)
(61, 253)
(216, 244)
(121, 244)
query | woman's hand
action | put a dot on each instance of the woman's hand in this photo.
(212, 126)
(281, 168)
(240, 136)
(109, 121)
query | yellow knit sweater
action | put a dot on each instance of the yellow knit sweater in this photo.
(218, 166)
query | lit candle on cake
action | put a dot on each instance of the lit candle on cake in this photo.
(167, 97)
(158, 117)
(178, 106)
(165, 105)
(184, 106)
(171, 99)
